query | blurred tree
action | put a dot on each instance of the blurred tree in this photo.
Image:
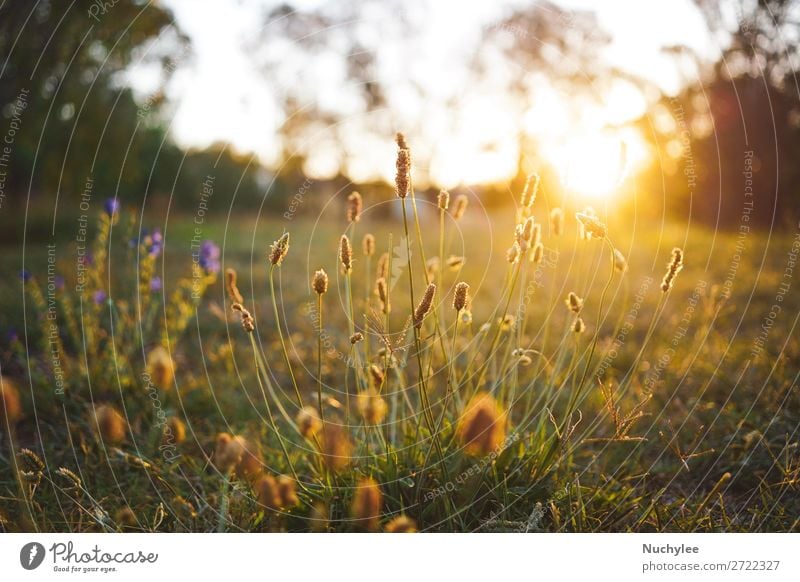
(348, 75)
(69, 62)
(742, 114)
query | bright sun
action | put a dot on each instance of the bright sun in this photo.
(595, 164)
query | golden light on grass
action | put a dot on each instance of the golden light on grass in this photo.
(308, 421)
(673, 268)
(592, 225)
(557, 221)
(228, 452)
(454, 263)
(371, 406)
(10, 407)
(368, 245)
(160, 367)
(250, 462)
(401, 524)
(287, 492)
(367, 503)
(383, 266)
(346, 254)
(335, 446)
(377, 375)
(482, 427)
(620, 262)
(266, 490)
(513, 253)
(530, 191)
(460, 207)
(355, 205)
(594, 163)
(175, 430)
(538, 253)
(110, 424)
(382, 290)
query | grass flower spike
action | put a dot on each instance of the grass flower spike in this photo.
(278, 250)
(425, 305)
(355, 204)
(673, 268)
(346, 254)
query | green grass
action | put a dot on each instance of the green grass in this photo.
(705, 437)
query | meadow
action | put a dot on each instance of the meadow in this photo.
(455, 368)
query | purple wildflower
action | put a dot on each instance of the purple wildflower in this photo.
(111, 206)
(155, 243)
(209, 257)
(99, 297)
(156, 284)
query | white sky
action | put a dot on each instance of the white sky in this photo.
(219, 97)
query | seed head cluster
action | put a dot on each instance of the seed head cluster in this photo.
(574, 303)
(461, 296)
(278, 250)
(319, 282)
(355, 204)
(673, 268)
(443, 200)
(230, 284)
(346, 254)
(402, 177)
(460, 207)
(368, 245)
(592, 225)
(425, 305)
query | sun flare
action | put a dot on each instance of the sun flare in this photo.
(594, 165)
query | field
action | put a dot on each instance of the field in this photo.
(144, 403)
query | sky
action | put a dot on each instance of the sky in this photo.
(219, 96)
